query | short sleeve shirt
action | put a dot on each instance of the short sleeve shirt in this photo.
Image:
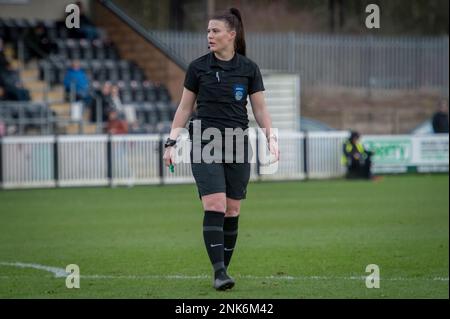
(222, 88)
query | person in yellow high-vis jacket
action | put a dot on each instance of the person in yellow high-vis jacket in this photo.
(356, 158)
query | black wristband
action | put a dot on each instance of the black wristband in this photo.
(170, 143)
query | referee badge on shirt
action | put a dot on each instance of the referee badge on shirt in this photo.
(239, 92)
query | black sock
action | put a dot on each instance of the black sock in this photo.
(230, 232)
(213, 237)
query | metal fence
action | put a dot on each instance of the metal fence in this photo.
(83, 160)
(27, 162)
(410, 63)
(87, 160)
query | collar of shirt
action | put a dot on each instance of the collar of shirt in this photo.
(233, 63)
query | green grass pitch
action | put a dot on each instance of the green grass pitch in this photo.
(306, 239)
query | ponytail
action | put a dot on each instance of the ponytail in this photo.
(234, 20)
(239, 43)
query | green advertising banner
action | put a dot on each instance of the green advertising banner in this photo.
(404, 153)
(390, 150)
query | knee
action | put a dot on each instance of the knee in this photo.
(214, 202)
(216, 206)
(232, 212)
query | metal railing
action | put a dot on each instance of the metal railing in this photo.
(386, 63)
(81, 160)
(19, 116)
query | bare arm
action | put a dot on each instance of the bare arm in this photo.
(180, 119)
(183, 112)
(260, 112)
(264, 121)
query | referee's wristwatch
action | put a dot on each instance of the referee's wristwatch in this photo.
(170, 143)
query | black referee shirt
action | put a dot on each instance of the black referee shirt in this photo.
(222, 88)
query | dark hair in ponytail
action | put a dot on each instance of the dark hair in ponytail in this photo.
(234, 20)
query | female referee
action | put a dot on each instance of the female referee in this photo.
(220, 82)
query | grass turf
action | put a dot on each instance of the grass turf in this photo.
(296, 240)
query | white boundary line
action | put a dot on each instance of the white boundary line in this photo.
(58, 272)
(61, 273)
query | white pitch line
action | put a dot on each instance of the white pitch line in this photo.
(61, 273)
(58, 272)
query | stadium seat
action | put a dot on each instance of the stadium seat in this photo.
(102, 63)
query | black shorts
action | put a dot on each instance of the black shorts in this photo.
(228, 178)
(222, 177)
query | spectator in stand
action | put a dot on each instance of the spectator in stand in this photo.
(13, 86)
(37, 42)
(116, 103)
(116, 125)
(77, 80)
(440, 118)
(2, 94)
(3, 60)
(103, 97)
(107, 102)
